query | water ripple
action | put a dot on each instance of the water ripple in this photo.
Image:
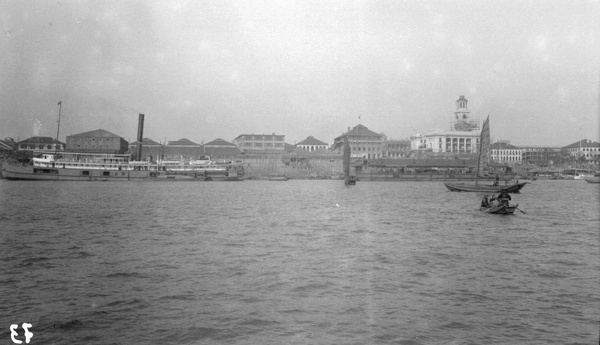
(301, 262)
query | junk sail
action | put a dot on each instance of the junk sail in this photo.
(348, 179)
(483, 162)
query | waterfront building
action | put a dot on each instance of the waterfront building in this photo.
(462, 138)
(396, 148)
(182, 150)
(260, 142)
(584, 149)
(364, 143)
(542, 155)
(47, 144)
(97, 141)
(221, 149)
(503, 152)
(311, 144)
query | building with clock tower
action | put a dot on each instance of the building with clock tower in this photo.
(462, 121)
(462, 138)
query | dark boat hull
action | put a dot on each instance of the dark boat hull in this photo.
(463, 187)
(500, 209)
(350, 180)
(278, 178)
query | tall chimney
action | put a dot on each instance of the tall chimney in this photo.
(140, 137)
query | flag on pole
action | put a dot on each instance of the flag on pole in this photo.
(59, 102)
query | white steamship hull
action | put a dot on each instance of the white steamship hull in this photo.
(29, 172)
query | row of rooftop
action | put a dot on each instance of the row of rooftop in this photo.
(461, 141)
(365, 144)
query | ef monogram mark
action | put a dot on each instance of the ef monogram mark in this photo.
(13, 333)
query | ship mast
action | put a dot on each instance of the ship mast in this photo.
(58, 127)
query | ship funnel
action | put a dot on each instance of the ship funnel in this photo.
(140, 137)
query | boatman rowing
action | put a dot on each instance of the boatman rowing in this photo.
(503, 197)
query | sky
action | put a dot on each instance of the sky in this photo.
(203, 70)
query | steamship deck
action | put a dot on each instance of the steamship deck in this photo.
(79, 167)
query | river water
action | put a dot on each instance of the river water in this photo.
(297, 262)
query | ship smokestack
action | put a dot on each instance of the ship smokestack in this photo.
(140, 137)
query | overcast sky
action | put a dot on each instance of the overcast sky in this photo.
(217, 69)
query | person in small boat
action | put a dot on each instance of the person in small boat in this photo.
(504, 197)
(485, 202)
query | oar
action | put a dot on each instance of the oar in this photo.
(518, 209)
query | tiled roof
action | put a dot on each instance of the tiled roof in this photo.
(150, 142)
(39, 140)
(98, 133)
(183, 142)
(503, 146)
(583, 143)
(219, 142)
(362, 131)
(311, 141)
(146, 142)
(357, 131)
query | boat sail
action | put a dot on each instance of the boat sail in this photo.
(483, 164)
(483, 160)
(348, 179)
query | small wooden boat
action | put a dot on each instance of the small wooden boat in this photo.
(465, 187)
(595, 179)
(350, 180)
(278, 178)
(500, 209)
(498, 204)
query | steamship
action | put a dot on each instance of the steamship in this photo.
(77, 166)
(80, 167)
